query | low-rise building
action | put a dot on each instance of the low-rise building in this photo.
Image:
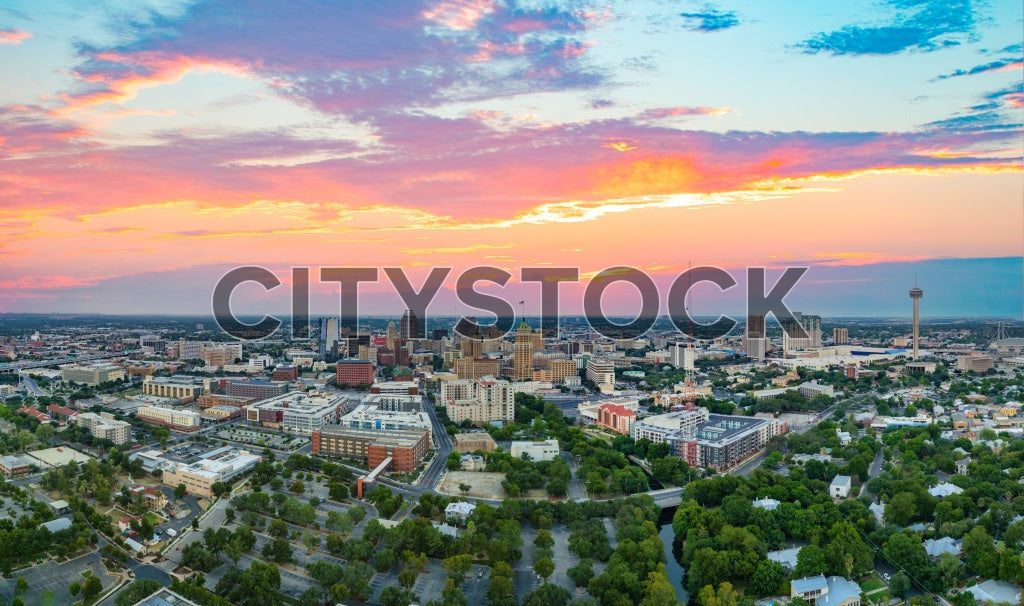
(833, 591)
(974, 362)
(840, 487)
(472, 442)
(472, 462)
(302, 413)
(93, 374)
(184, 388)
(459, 510)
(218, 466)
(541, 450)
(178, 420)
(15, 466)
(405, 447)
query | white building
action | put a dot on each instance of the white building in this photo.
(545, 450)
(368, 416)
(601, 372)
(840, 487)
(299, 412)
(218, 466)
(459, 510)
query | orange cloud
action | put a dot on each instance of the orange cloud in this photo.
(621, 146)
(140, 70)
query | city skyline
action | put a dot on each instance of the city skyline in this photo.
(148, 150)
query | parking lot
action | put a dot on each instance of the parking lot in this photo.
(259, 438)
(56, 578)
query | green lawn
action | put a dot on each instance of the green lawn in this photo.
(871, 584)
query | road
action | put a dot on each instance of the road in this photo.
(30, 385)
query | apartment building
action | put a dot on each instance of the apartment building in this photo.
(485, 400)
(105, 427)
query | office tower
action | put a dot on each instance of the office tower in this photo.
(328, 336)
(409, 327)
(840, 336)
(391, 336)
(755, 337)
(915, 295)
(522, 354)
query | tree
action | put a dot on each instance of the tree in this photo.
(544, 539)
(310, 597)
(810, 560)
(581, 573)
(899, 584)
(547, 595)
(136, 592)
(950, 568)
(393, 596)
(229, 515)
(458, 566)
(980, 553)
(21, 586)
(179, 491)
(278, 550)
(336, 491)
(901, 509)
(767, 579)
(724, 596)
(74, 588)
(544, 567)
(407, 578)
(297, 487)
(91, 588)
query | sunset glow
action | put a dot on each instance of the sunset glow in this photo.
(167, 145)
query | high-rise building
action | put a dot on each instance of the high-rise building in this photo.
(755, 337)
(812, 326)
(329, 336)
(484, 400)
(840, 336)
(522, 354)
(915, 295)
(801, 332)
(391, 336)
(410, 326)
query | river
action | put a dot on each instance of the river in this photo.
(675, 571)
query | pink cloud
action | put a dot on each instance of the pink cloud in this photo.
(13, 36)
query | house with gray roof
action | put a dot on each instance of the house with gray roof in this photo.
(937, 547)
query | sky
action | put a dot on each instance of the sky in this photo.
(147, 148)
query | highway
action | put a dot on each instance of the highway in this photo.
(15, 366)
